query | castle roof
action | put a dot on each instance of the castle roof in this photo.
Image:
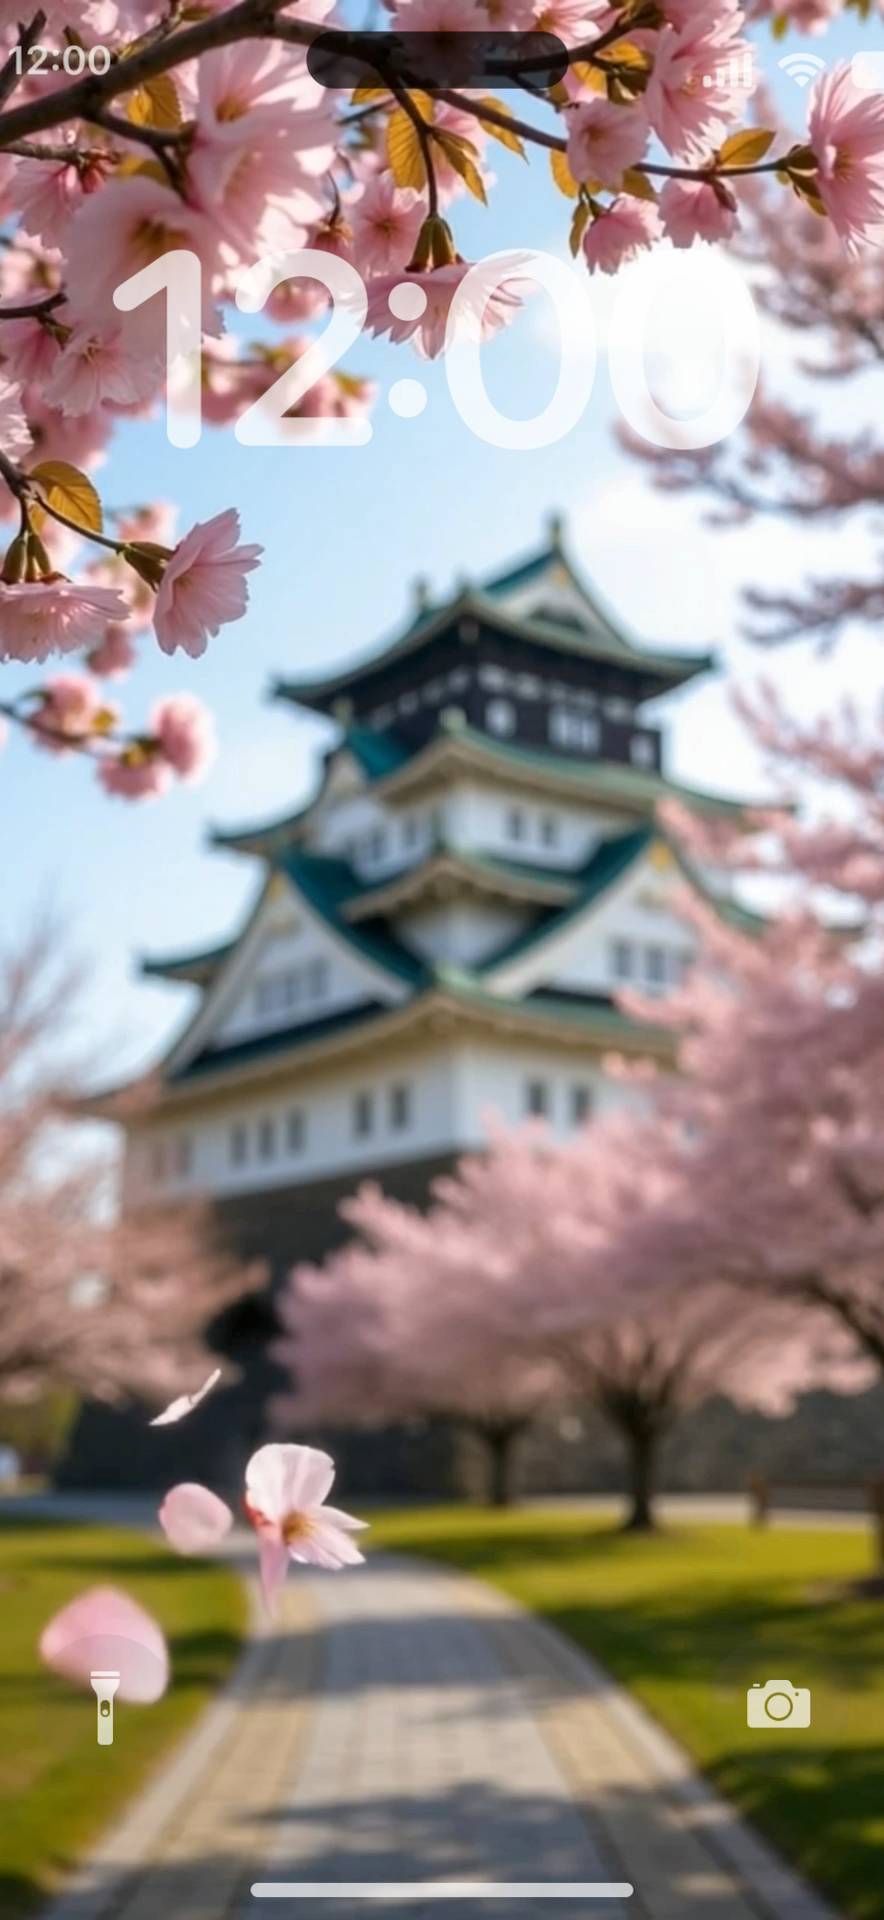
(543, 604)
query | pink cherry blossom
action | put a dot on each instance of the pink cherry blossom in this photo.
(185, 733)
(625, 229)
(15, 435)
(105, 1630)
(603, 140)
(48, 194)
(846, 132)
(695, 210)
(134, 775)
(694, 90)
(203, 585)
(69, 706)
(41, 617)
(114, 656)
(285, 1500)
(96, 369)
(115, 233)
(491, 306)
(386, 222)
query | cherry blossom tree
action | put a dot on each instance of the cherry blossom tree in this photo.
(111, 1307)
(140, 132)
(377, 1335)
(519, 1290)
(788, 459)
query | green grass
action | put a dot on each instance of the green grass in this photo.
(58, 1788)
(687, 1621)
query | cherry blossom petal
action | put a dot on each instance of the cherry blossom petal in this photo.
(105, 1630)
(178, 1409)
(284, 1479)
(193, 1519)
(273, 1560)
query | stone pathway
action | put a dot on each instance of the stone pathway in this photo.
(404, 1723)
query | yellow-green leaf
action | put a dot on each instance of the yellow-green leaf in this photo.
(404, 152)
(744, 148)
(155, 104)
(503, 134)
(66, 490)
(579, 225)
(361, 94)
(460, 155)
(624, 53)
(589, 76)
(638, 185)
(562, 175)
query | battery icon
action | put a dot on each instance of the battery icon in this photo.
(867, 72)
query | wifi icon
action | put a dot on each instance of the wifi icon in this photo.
(802, 67)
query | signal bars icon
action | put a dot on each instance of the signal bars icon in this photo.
(736, 75)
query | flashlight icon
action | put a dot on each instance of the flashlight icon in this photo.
(104, 1686)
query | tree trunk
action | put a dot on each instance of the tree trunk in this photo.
(499, 1441)
(641, 1446)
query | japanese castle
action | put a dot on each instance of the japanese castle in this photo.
(438, 936)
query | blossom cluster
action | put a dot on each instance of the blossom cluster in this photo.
(209, 135)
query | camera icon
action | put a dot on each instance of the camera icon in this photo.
(777, 1704)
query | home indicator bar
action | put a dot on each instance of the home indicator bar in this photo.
(443, 1890)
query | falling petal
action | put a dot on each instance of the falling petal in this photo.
(193, 1519)
(103, 1630)
(186, 1402)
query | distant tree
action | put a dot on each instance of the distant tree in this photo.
(784, 461)
(111, 1307)
(511, 1295)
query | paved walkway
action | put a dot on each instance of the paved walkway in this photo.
(401, 1722)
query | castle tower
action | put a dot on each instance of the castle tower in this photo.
(440, 934)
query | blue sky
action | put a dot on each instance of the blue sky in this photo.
(346, 531)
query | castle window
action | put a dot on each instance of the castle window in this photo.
(400, 1108)
(363, 1115)
(410, 830)
(622, 959)
(655, 966)
(529, 686)
(515, 824)
(459, 680)
(568, 728)
(495, 678)
(183, 1156)
(500, 717)
(549, 829)
(641, 750)
(537, 1099)
(618, 709)
(317, 978)
(266, 1138)
(375, 844)
(239, 1144)
(581, 1104)
(296, 1130)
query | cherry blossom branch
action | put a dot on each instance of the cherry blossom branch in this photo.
(33, 309)
(510, 123)
(14, 66)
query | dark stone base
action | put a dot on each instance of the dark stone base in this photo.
(115, 1448)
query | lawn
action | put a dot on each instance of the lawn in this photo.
(688, 1620)
(58, 1788)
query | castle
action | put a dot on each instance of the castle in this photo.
(439, 935)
